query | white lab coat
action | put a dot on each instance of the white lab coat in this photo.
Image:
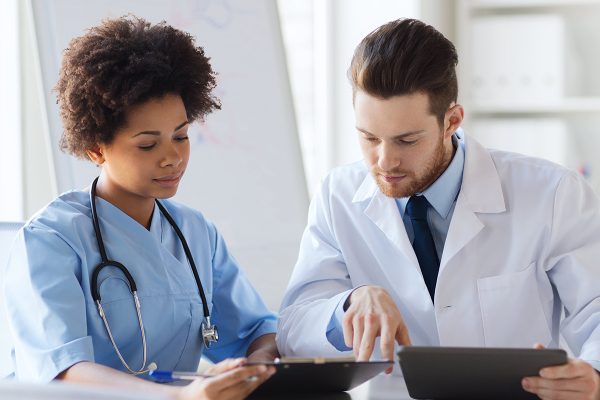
(523, 245)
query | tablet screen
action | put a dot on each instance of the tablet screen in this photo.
(471, 372)
(322, 377)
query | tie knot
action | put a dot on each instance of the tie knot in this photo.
(416, 208)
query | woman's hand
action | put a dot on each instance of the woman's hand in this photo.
(232, 381)
(225, 365)
(263, 349)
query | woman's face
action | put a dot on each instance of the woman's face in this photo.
(149, 155)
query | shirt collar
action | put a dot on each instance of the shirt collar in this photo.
(443, 192)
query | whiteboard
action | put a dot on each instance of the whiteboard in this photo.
(245, 171)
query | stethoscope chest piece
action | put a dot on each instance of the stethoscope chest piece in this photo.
(210, 333)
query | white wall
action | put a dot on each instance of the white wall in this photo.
(299, 31)
(352, 20)
(320, 38)
(38, 176)
(11, 201)
(25, 171)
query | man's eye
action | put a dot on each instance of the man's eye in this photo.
(146, 147)
(408, 142)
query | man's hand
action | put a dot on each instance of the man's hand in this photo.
(372, 313)
(574, 380)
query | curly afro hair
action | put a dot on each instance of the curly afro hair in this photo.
(121, 63)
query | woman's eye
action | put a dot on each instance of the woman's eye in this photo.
(146, 147)
(408, 142)
(182, 138)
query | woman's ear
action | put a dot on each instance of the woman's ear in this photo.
(96, 155)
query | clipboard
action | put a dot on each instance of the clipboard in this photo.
(318, 375)
(473, 372)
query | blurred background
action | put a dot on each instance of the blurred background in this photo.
(528, 73)
(528, 78)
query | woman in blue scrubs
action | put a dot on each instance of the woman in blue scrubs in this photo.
(127, 92)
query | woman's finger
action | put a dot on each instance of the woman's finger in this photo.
(243, 388)
(225, 365)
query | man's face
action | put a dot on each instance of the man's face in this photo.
(402, 142)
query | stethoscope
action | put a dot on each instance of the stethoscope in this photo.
(209, 331)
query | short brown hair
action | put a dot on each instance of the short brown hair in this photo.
(121, 63)
(406, 56)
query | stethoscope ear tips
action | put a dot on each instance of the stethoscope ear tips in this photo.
(152, 367)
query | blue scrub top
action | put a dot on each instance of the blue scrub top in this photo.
(55, 322)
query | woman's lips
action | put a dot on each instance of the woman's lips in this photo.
(168, 181)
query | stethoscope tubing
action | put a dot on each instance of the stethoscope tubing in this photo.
(209, 331)
(133, 286)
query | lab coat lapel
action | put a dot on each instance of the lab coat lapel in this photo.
(481, 192)
(383, 212)
(401, 265)
(464, 227)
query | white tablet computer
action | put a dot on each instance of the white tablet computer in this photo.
(472, 372)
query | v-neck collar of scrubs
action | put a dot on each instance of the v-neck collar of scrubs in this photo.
(108, 212)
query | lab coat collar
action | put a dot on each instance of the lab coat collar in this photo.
(481, 188)
(367, 189)
(480, 193)
(442, 193)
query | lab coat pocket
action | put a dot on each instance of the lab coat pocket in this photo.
(512, 313)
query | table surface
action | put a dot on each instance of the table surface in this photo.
(382, 387)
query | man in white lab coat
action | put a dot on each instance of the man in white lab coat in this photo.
(434, 240)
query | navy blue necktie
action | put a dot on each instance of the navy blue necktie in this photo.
(423, 244)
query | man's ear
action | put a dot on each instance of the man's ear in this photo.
(453, 120)
(96, 155)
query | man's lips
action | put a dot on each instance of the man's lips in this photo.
(392, 178)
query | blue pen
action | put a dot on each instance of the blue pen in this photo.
(172, 376)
